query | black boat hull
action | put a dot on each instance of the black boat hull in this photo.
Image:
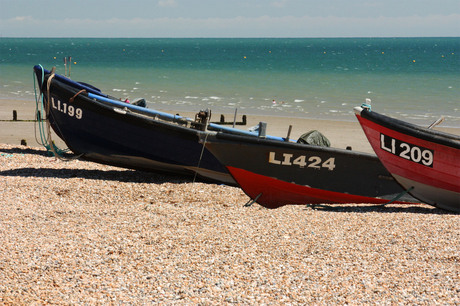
(303, 174)
(107, 133)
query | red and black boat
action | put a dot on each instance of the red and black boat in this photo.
(421, 159)
(275, 173)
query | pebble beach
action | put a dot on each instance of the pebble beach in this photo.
(77, 232)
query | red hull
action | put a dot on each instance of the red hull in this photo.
(273, 193)
(433, 169)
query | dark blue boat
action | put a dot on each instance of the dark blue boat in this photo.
(103, 129)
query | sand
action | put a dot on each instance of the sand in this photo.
(341, 133)
(77, 232)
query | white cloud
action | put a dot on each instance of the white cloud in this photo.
(22, 18)
(167, 3)
(279, 3)
(263, 26)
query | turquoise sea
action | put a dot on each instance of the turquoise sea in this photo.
(416, 79)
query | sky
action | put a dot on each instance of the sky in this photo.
(229, 18)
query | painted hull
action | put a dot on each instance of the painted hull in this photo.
(423, 159)
(106, 132)
(277, 173)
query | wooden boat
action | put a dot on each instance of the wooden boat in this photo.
(275, 173)
(106, 130)
(421, 159)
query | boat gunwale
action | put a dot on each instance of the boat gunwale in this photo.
(291, 145)
(96, 95)
(410, 129)
(137, 117)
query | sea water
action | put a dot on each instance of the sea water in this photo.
(414, 79)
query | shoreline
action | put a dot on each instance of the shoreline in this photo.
(340, 133)
(252, 112)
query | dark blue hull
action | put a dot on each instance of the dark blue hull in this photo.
(105, 132)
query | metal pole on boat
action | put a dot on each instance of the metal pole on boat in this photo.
(234, 117)
(441, 119)
(262, 129)
(289, 133)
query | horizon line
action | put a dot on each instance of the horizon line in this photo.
(223, 37)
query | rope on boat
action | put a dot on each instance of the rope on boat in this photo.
(39, 112)
(44, 125)
(201, 157)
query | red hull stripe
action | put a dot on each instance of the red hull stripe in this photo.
(276, 193)
(444, 172)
